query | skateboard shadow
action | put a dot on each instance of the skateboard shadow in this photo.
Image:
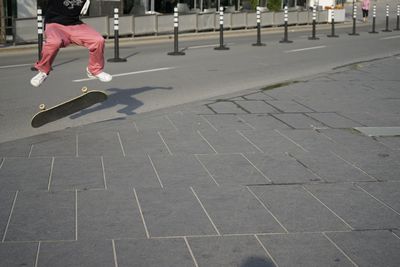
(117, 97)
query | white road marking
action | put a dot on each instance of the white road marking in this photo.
(128, 73)
(201, 46)
(15, 66)
(305, 49)
(206, 46)
(391, 37)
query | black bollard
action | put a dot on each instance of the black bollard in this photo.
(116, 58)
(314, 23)
(40, 35)
(258, 28)
(333, 24)
(354, 20)
(373, 19)
(387, 19)
(285, 36)
(398, 19)
(221, 31)
(176, 51)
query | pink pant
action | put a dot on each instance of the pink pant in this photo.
(58, 36)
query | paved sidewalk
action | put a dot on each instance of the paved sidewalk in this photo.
(269, 177)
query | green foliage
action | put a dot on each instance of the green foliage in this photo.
(274, 5)
(254, 3)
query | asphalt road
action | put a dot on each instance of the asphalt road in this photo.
(151, 80)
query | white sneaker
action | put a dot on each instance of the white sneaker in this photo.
(38, 79)
(102, 76)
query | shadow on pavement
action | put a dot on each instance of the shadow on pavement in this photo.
(117, 97)
(257, 262)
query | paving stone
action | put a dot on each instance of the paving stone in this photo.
(379, 131)
(199, 109)
(310, 140)
(390, 142)
(256, 106)
(125, 173)
(388, 192)
(332, 168)
(39, 216)
(334, 120)
(135, 143)
(299, 121)
(271, 142)
(385, 118)
(369, 248)
(352, 75)
(77, 173)
(228, 142)
(396, 233)
(99, 144)
(18, 148)
(188, 121)
(297, 210)
(181, 171)
(57, 146)
(288, 106)
(173, 212)
(226, 107)
(385, 74)
(263, 122)
(257, 96)
(25, 174)
(368, 119)
(108, 215)
(112, 125)
(6, 200)
(294, 90)
(227, 122)
(234, 210)
(18, 254)
(381, 166)
(387, 89)
(76, 253)
(232, 169)
(153, 252)
(303, 250)
(154, 124)
(355, 206)
(282, 169)
(187, 142)
(354, 141)
(227, 251)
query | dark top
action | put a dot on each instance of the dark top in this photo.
(65, 12)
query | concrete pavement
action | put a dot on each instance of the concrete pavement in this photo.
(275, 176)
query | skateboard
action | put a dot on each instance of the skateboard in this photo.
(85, 100)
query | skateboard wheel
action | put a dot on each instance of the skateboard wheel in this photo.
(42, 107)
(84, 89)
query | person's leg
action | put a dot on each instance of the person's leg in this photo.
(85, 35)
(55, 39)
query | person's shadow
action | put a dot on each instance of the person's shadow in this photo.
(256, 261)
(119, 97)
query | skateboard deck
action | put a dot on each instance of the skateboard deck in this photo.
(85, 100)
